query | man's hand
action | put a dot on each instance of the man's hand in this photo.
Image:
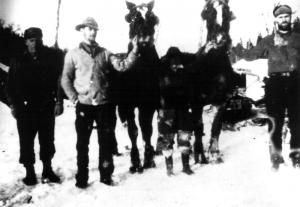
(210, 45)
(59, 108)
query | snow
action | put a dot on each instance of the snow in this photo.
(257, 71)
(244, 179)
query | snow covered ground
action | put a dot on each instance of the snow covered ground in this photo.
(244, 179)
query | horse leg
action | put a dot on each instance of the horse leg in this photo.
(127, 115)
(114, 138)
(145, 120)
(215, 134)
(199, 132)
(134, 153)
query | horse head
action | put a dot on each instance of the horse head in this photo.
(218, 16)
(142, 22)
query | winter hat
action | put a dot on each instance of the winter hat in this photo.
(33, 32)
(88, 22)
(282, 9)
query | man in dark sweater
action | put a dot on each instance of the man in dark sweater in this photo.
(282, 91)
(32, 90)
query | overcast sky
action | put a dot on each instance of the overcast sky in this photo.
(180, 21)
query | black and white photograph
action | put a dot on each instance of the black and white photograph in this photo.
(149, 103)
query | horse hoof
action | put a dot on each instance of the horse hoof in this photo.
(140, 169)
(219, 160)
(187, 171)
(204, 161)
(216, 157)
(134, 169)
(148, 165)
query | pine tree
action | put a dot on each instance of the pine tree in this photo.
(297, 25)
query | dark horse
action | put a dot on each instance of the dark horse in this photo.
(11, 44)
(214, 80)
(139, 86)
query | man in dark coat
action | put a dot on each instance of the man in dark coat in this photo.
(32, 90)
(174, 115)
(282, 91)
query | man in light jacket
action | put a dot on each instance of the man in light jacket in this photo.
(87, 81)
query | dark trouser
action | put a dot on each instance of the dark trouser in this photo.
(31, 123)
(198, 128)
(283, 94)
(104, 115)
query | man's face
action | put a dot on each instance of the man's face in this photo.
(175, 64)
(283, 21)
(89, 34)
(33, 44)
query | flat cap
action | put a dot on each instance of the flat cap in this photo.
(282, 9)
(33, 32)
(88, 22)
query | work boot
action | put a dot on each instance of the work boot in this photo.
(82, 178)
(295, 157)
(30, 178)
(107, 180)
(197, 159)
(169, 165)
(185, 164)
(48, 176)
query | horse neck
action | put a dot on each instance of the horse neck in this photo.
(216, 62)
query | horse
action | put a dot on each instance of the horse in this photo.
(11, 45)
(139, 86)
(214, 81)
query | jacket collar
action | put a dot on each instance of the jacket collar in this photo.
(93, 50)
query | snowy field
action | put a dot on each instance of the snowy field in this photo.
(244, 179)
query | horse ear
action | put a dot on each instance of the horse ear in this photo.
(150, 5)
(130, 5)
